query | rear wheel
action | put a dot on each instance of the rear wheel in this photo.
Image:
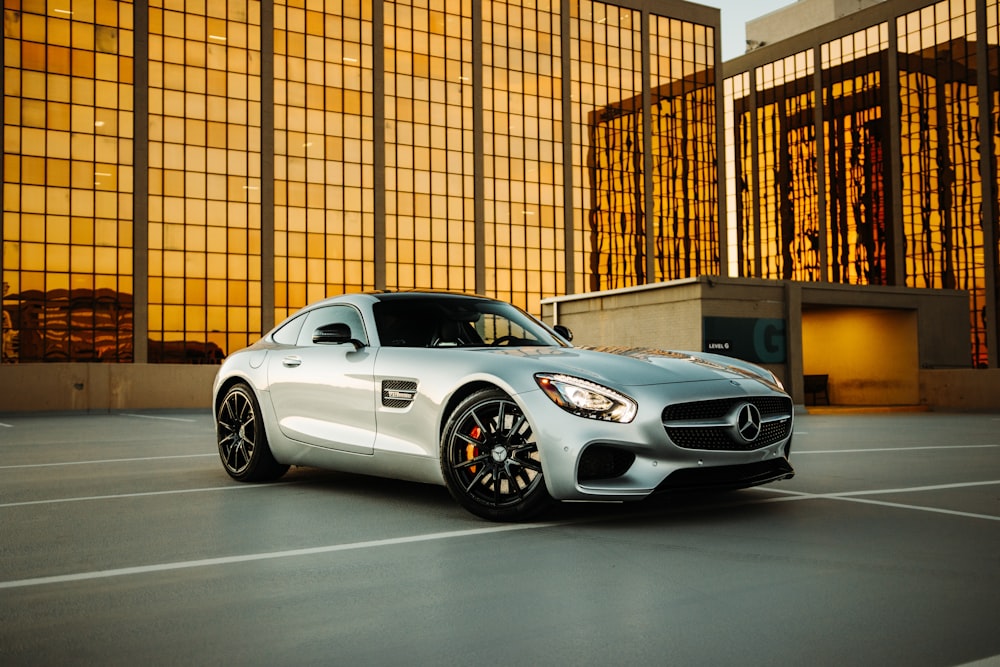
(243, 446)
(490, 459)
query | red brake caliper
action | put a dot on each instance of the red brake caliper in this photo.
(471, 451)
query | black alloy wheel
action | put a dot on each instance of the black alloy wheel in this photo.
(490, 459)
(243, 446)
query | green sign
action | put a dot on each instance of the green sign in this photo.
(758, 340)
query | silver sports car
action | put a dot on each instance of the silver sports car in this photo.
(479, 396)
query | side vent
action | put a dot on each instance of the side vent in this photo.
(398, 393)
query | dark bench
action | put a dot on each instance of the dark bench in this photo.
(816, 386)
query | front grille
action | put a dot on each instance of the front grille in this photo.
(769, 406)
(707, 437)
(712, 425)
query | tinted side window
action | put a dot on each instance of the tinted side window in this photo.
(333, 315)
(289, 331)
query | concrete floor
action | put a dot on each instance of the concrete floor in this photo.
(122, 541)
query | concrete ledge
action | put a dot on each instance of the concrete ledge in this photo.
(104, 387)
(963, 390)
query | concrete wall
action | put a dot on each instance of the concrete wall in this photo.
(634, 318)
(961, 390)
(666, 315)
(798, 17)
(104, 387)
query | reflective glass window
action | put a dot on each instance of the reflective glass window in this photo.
(429, 147)
(67, 182)
(204, 180)
(940, 153)
(788, 230)
(324, 149)
(523, 172)
(685, 211)
(856, 136)
(608, 163)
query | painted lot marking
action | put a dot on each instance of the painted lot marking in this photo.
(799, 452)
(170, 419)
(144, 494)
(271, 555)
(848, 496)
(856, 497)
(84, 463)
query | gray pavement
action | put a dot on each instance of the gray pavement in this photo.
(122, 541)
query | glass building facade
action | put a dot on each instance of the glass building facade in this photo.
(179, 175)
(868, 157)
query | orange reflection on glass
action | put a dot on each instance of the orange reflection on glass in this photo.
(67, 190)
(324, 150)
(523, 162)
(204, 180)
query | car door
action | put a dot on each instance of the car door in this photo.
(322, 393)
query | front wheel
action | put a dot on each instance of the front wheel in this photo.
(490, 459)
(243, 446)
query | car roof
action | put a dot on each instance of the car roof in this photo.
(423, 294)
(368, 298)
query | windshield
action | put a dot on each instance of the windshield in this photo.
(456, 321)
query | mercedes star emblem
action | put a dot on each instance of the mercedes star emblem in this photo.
(748, 422)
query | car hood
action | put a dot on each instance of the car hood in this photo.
(634, 366)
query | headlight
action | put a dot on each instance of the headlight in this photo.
(587, 399)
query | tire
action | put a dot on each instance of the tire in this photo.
(242, 440)
(490, 460)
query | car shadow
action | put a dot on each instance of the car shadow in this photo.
(433, 500)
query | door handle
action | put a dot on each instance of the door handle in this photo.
(291, 362)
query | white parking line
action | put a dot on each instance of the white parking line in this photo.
(270, 555)
(787, 495)
(172, 419)
(985, 662)
(119, 496)
(854, 497)
(6, 425)
(799, 452)
(921, 508)
(918, 489)
(83, 463)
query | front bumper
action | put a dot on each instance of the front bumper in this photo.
(724, 478)
(638, 459)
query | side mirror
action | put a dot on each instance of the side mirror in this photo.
(563, 331)
(337, 333)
